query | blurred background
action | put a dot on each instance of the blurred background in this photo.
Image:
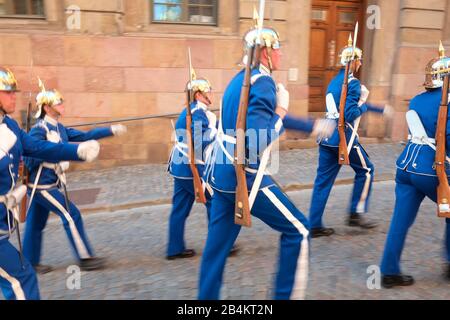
(128, 58)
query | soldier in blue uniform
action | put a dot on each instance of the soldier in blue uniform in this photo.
(204, 130)
(416, 176)
(267, 107)
(17, 277)
(47, 178)
(329, 167)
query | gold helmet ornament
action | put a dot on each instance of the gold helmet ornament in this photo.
(201, 84)
(269, 38)
(7, 81)
(194, 84)
(346, 53)
(49, 98)
(436, 69)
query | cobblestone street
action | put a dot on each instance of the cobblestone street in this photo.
(134, 242)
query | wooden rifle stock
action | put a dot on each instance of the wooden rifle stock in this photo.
(343, 152)
(242, 207)
(443, 189)
(23, 171)
(198, 187)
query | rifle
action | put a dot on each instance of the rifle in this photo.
(23, 170)
(198, 186)
(443, 189)
(242, 214)
(343, 152)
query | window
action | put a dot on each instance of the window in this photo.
(33, 8)
(185, 11)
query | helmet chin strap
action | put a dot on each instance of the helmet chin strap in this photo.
(269, 58)
(206, 98)
(58, 115)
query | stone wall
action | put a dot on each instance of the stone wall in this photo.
(121, 65)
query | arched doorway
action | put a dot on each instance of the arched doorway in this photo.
(331, 23)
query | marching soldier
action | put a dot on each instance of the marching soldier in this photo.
(328, 169)
(17, 277)
(47, 178)
(416, 172)
(203, 132)
(267, 107)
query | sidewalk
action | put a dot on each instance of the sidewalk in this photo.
(143, 185)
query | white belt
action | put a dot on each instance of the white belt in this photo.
(422, 140)
(332, 115)
(42, 186)
(221, 137)
(426, 141)
(11, 200)
(180, 146)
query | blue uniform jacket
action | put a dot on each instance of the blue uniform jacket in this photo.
(39, 132)
(203, 134)
(417, 158)
(27, 146)
(352, 110)
(264, 126)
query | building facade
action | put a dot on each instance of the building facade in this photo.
(127, 58)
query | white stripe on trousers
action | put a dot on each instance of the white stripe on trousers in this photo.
(361, 207)
(81, 248)
(15, 284)
(301, 276)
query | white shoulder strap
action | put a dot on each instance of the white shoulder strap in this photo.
(255, 78)
(331, 104)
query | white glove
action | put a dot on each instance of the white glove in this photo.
(388, 111)
(53, 136)
(324, 128)
(212, 119)
(88, 150)
(14, 199)
(118, 130)
(282, 97)
(364, 95)
(7, 140)
(64, 166)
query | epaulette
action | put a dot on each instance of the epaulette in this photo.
(255, 78)
(41, 124)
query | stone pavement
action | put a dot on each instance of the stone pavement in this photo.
(143, 185)
(134, 241)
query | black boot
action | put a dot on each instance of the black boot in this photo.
(359, 220)
(187, 253)
(234, 250)
(396, 280)
(94, 263)
(321, 232)
(42, 269)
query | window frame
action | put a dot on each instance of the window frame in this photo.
(27, 16)
(185, 9)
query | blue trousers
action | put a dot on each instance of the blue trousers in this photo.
(410, 190)
(326, 175)
(45, 202)
(274, 208)
(182, 201)
(17, 282)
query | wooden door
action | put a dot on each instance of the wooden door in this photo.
(331, 24)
